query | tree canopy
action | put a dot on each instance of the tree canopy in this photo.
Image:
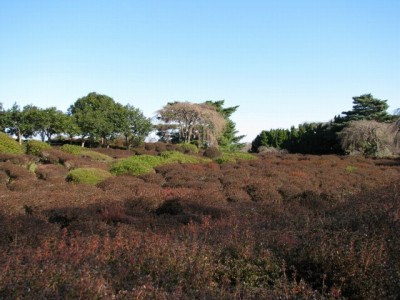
(194, 121)
(366, 107)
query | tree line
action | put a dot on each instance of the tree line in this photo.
(366, 129)
(98, 118)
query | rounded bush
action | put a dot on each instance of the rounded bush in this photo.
(189, 148)
(36, 147)
(8, 145)
(135, 165)
(72, 149)
(85, 153)
(232, 157)
(212, 152)
(88, 175)
(170, 157)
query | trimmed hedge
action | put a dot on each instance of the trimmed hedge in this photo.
(9, 146)
(88, 175)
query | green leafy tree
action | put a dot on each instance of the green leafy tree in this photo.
(50, 121)
(71, 128)
(98, 117)
(229, 140)
(34, 119)
(134, 125)
(3, 120)
(17, 122)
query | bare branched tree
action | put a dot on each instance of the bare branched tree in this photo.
(367, 137)
(193, 120)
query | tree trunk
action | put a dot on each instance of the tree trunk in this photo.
(128, 146)
(19, 136)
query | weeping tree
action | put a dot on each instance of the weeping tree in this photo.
(367, 137)
(395, 130)
(194, 121)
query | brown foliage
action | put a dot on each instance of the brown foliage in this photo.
(279, 227)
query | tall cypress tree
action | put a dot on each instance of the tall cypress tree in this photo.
(229, 140)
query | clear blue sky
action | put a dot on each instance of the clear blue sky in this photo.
(283, 62)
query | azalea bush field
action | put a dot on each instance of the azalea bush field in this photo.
(277, 226)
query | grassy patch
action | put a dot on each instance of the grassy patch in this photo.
(8, 145)
(88, 175)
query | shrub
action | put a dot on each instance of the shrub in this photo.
(16, 172)
(366, 137)
(85, 153)
(8, 145)
(72, 149)
(51, 172)
(36, 147)
(135, 165)
(88, 175)
(178, 157)
(93, 155)
(212, 152)
(232, 157)
(142, 164)
(189, 148)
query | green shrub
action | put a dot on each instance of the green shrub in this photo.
(141, 164)
(233, 157)
(135, 165)
(169, 157)
(84, 152)
(9, 146)
(36, 147)
(88, 175)
(189, 148)
(72, 149)
(225, 160)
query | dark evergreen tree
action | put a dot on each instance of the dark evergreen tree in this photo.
(366, 107)
(229, 141)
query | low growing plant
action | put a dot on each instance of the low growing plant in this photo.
(142, 164)
(83, 152)
(233, 157)
(8, 145)
(88, 175)
(34, 147)
(72, 149)
(189, 148)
